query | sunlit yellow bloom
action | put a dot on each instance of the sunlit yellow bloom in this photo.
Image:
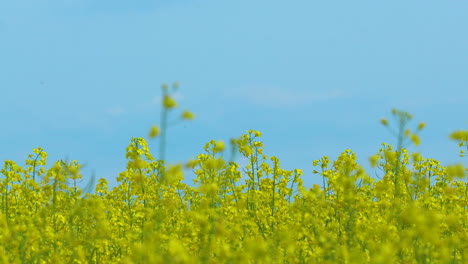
(460, 135)
(373, 160)
(421, 126)
(218, 146)
(188, 115)
(416, 157)
(257, 144)
(154, 132)
(455, 171)
(191, 164)
(246, 150)
(415, 139)
(169, 102)
(209, 188)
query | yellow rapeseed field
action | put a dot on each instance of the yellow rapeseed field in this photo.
(416, 212)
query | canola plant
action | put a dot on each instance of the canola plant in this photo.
(415, 213)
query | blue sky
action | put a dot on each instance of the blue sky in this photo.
(80, 78)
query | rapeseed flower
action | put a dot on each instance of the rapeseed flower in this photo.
(169, 102)
(188, 115)
(154, 132)
(459, 135)
(259, 213)
(218, 146)
(421, 126)
(415, 139)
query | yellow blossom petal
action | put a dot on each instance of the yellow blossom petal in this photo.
(154, 132)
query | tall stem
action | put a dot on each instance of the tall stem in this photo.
(162, 143)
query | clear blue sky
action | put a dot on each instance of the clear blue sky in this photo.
(80, 78)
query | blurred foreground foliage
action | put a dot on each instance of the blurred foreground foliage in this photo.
(257, 214)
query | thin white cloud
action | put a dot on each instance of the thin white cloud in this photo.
(426, 101)
(116, 111)
(156, 100)
(277, 97)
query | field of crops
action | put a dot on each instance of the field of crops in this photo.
(415, 213)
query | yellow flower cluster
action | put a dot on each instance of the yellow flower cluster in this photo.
(462, 137)
(257, 214)
(415, 212)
